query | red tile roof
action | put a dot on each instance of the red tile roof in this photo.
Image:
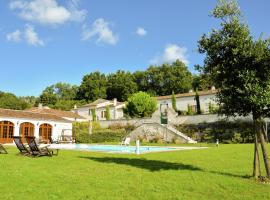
(59, 113)
(30, 115)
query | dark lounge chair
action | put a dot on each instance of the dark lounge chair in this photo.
(2, 149)
(35, 150)
(22, 148)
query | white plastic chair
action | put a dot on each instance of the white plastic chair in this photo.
(126, 141)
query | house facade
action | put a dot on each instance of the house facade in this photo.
(100, 107)
(39, 122)
(184, 100)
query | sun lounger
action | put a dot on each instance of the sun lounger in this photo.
(2, 149)
(22, 148)
(35, 150)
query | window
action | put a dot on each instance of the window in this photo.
(103, 114)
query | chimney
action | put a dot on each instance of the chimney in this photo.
(213, 88)
(190, 91)
(115, 102)
(40, 106)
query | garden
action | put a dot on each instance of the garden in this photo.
(212, 173)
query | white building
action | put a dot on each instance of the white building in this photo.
(37, 122)
(100, 105)
(188, 99)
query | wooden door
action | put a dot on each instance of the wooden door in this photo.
(26, 129)
(45, 132)
(6, 132)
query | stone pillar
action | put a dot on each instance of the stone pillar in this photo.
(16, 129)
(36, 131)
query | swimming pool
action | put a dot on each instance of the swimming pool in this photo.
(118, 148)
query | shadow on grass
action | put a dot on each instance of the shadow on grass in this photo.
(151, 165)
(157, 165)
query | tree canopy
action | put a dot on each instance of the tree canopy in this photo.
(141, 104)
(121, 85)
(239, 66)
(93, 86)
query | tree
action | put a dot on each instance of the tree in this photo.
(93, 86)
(58, 93)
(94, 114)
(108, 113)
(48, 97)
(10, 101)
(239, 66)
(174, 102)
(198, 105)
(121, 85)
(141, 104)
(162, 80)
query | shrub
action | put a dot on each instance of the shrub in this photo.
(141, 104)
(190, 111)
(226, 131)
(102, 135)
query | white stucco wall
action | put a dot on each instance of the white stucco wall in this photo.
(84, 112)
(183, 102)
(57, 127)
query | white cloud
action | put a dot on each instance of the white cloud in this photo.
(32, 37)
(14, 36)
(100, 29)
(171, 53)
(29, 35)
(141, 31)
(48, 11)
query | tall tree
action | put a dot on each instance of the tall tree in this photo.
(162, 80)
(93, 86)
(198, 104)
(59, 92)
(239, 66)
(121, 85)
(174, 102)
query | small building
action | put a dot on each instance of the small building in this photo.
(100, 106)
(188, 99)
(35, 122)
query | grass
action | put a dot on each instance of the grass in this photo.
(213, 173)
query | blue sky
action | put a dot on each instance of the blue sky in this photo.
(47, 41)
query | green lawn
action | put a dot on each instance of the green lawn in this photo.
(213, 173)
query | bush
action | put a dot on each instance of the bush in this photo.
(225, 131)
(141, 104)
(128, 127)
(102, 135)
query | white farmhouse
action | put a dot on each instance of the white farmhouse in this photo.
(116, 109)
(42, 123)
(188, 99)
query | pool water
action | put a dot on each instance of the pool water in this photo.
(118, 148)
(122, 149)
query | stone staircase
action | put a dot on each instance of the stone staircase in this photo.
(152, 128)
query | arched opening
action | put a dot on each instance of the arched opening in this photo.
(45, 132)
(26, 129)
(6, 132)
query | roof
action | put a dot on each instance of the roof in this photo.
(59, 113)
(99, 101)
(189, 94)
(30, 115)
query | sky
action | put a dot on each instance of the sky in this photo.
(43, 42)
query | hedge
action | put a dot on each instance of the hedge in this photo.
(103, 135)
